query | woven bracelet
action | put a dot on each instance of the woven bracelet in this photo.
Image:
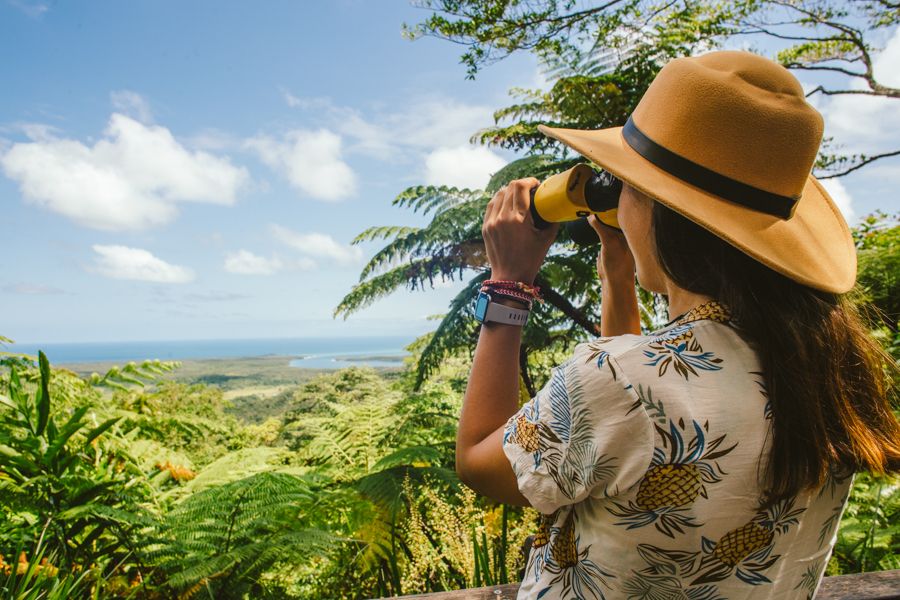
(509, 293)
(532, 291)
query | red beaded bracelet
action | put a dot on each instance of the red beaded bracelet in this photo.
(509, 293)
(532, 291)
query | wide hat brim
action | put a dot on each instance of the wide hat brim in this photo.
(814, 247)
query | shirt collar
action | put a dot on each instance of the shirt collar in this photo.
(712, 311)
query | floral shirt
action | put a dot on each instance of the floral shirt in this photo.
(643, 455)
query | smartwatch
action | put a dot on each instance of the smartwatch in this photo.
(488, 311)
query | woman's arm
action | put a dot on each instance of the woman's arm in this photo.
(619, 311)
(516, 251)
(491, 398)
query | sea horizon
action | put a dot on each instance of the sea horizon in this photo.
(307, 352)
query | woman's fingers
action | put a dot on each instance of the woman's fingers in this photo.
(515, 250)
(494, 206)
(520, 200)
(604, 231)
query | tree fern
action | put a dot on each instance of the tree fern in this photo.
(226, 535)
(231, 467)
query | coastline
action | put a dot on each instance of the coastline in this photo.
(231, 374)
(307, 350)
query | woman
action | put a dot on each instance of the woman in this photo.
(713, 457)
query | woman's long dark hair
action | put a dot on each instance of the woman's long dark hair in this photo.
(829, 382)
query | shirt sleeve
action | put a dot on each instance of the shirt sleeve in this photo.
(586, 433)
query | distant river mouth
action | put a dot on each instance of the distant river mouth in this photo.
(343, 361)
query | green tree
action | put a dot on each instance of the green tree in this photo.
(223, 538)
(61, 482)
(601, 58)
(830, 36)
(450, 245)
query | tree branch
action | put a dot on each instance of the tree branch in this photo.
(861, 164)
(886, 93)
(823, 68)
(566, 307)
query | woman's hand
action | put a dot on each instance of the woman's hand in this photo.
(515, 247)
(615, 263)
(619, 313)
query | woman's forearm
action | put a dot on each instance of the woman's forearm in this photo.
(493, 389)
(619, 313)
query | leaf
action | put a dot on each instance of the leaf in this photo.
(43, 404)
(408, 456)
(59, 440)
(98, 431)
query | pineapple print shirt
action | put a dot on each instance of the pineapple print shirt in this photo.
(643, 453)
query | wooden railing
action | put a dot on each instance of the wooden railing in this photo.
(881, 585)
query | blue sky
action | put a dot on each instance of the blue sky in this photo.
(197, 170)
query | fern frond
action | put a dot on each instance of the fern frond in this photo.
(539, 166)
(428, 198)
(413, 274)
(382, 232)
(455, 331)
(132, 373)
(409, 456)
(243, 525)
(385, 487)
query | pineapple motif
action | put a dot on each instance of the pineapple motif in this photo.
(579, 576)
(669, 485)
(542, 537)
(677, 335)
(712, 311)
(747, 551)
(525, 434)
(564, 549)
(737, 544)
(597, 353)
(678, 347)
(674, 481)
(525, 429)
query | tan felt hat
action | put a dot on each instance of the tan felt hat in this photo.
(728, 140)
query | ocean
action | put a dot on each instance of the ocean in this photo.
(309, 353)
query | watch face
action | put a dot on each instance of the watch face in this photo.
(481, 304)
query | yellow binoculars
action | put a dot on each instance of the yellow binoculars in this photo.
(574, 195)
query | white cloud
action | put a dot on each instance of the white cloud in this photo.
(29, 7)
(291, 100)
(425, 123)
(311, 161)
(132, 104)
(430, 123)
(213, 140)
(841, 197)
(122, 262)
(430, 130)
(462, 166)
(245, 262)
(130, 179)
(310, 102)
(317, 245)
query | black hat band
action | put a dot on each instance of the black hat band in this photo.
(706, 179)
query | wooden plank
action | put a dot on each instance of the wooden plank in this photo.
(497, 592)
(881, 585)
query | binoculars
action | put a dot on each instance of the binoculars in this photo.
(574, 195)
